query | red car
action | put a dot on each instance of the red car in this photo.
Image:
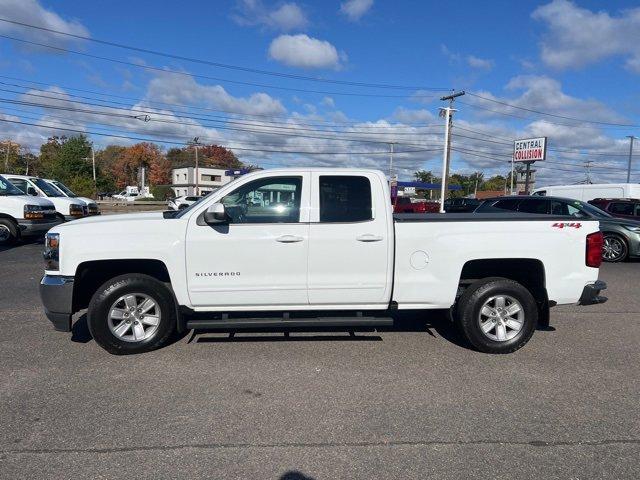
(405, 205)
(619, 207)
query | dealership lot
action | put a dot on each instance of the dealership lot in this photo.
(406, 402)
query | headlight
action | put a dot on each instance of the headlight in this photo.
(633, 228)
(76, 210)
(32, 212)
(93, 209)
(52, 251)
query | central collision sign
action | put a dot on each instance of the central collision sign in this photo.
(530, 149)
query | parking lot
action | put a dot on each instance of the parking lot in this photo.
(407, 402)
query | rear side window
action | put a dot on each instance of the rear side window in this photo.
(20, 183)
(537, 205)
(620, 208)
(345, 198)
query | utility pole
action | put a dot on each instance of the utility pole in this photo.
(631, 138)
(93, 166)
(587, 166)
(391, 144)
(196, 143)
(447, 113)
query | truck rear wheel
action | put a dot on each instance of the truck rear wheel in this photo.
(496, 315)
(132, 313)
(8, 232)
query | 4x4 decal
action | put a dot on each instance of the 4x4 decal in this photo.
(567, 225)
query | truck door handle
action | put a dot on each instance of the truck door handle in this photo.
(369, 237)
(289, 239)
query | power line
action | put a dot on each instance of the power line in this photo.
(155, 102)
(555, 115)
(207, 77)
(222, 65)
(141, 139)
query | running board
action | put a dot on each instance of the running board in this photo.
(280, 322)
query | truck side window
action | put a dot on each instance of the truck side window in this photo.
(20, 183)
(345, 198)
(266, 200)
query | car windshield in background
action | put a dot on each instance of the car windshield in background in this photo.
(49, 190)
(64, 188)
(7, 188)
(595, 211)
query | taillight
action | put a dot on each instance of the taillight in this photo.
(594, 250)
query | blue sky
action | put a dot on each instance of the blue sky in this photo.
(577, 60)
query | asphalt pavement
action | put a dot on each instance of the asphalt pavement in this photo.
(406, 402)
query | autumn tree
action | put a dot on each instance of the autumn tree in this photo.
(127, 166)
(208, 156)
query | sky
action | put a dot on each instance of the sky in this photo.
(332, 83)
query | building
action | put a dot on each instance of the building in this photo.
(183, 180)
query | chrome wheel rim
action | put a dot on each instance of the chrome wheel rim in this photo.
(5, 234)
(501, 318)
(134, 317)
(612, 248)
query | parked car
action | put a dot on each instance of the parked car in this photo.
(23, 215)
(619, 207)
(322, 248)
(178, 203)
(66, 208)
(621, 236)
(92, 206)
(460, 205)
(589, 191)
(406, 205)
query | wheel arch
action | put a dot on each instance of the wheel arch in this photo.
(90, 275)
(529, 272)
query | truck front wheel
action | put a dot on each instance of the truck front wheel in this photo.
(132, 313)
(496, 315)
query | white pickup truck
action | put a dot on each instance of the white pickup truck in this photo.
(314, 247)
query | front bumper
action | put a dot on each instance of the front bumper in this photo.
(591, 293)
(36, 227)
(56, 294)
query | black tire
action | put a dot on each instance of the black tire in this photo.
(9, 232)
(617, 242)
(468, 307)
(110, 292)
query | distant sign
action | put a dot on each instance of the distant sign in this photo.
(409, 190)
(530, 150)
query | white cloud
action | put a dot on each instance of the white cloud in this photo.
(577, 37)
(285, 17)
(405, 115)
(31, 12)
(481, 63)
(328, 102)
(306, 52)
(172, 88)
(355, 9)
(470, 60)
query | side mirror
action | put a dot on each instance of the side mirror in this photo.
(216, 215)
(32, 191)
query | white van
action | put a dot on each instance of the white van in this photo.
(591, 191)
(23, 215)
(67, 192)
(67, 208)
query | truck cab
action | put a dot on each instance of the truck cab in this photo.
(23, 215)
(66, 208)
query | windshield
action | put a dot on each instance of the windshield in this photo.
(7, 188)
(66, 190)
(590, 209)
(49, 190)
